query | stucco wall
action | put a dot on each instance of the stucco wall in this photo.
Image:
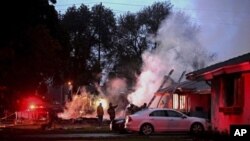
(246, 109)
(200, 100)
(221, 121)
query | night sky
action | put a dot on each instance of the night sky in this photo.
(223, 24)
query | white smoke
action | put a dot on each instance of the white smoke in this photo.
(116, 86)
(178, 48)
(116, 91)
(224, 24)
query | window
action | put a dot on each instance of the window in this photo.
(229, 91)
(175, 101)
(158, 113)
(232, 90)
(174, 114)
(179, 101)
(182, 102)
(233, 87)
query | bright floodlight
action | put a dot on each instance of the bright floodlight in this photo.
(103, 101)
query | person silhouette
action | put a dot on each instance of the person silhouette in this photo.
(100, 114)
(111, 111)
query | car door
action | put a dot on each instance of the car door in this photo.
(158, 120)
(177, 121)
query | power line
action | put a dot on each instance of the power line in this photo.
(114, 11)
(113, 3)
(71, 4)
(139, 5)
(125, 4)
(184, 9)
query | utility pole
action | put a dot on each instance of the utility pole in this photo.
(99, 37)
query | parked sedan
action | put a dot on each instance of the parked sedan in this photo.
(118, 125)
(163, 120)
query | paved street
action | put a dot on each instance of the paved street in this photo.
(84, 132)
(91, 136)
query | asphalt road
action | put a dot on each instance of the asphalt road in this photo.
(66, 133)
(86, 136)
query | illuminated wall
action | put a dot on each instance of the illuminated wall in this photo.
(237, 112)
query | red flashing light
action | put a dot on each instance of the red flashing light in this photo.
(32, 103)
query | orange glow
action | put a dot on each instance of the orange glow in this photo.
(32, 107)
(69, 83)
(103, 101)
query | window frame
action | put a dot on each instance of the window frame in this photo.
(232, 101)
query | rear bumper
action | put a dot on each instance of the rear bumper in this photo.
(129, 127)
(117, 125)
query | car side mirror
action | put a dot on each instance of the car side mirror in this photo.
(183, 116)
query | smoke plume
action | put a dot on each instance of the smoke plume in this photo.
(178, 48)
(116, 91)
(224, 24)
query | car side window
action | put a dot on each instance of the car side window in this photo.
(158, 113)
(174, 114)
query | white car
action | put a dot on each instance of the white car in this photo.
(149, 121)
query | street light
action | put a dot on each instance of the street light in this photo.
(70, 89)
(69, 83)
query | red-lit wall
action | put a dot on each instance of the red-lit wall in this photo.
(200, 100)
(191, 102)
(221, 121)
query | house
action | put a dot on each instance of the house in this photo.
(190, 97)
(230, 91)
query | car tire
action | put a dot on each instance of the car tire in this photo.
(146, 129)
(197, 128)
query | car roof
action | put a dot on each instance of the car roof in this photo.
(153, 109)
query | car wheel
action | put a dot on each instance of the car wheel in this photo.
(147, 129)
(197, 128)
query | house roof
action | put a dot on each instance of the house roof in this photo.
(234, 61)
(200, 87)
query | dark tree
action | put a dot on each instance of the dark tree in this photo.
(91, 36)
(153, 15)
(76, 22)
(133, 35)
(30, 45)
(103, 26)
